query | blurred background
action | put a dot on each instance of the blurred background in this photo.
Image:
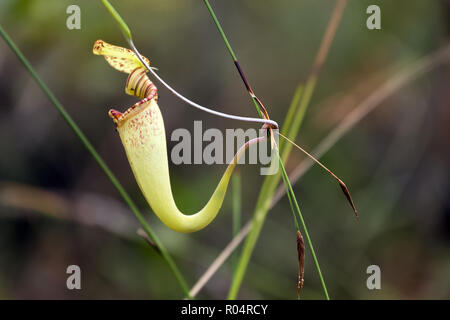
(57, 208)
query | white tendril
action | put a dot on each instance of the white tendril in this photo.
(196, 105)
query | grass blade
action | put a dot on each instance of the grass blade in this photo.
(390, 86)
(305, 230)
(271, 182)
(123, 26)
(84, 140)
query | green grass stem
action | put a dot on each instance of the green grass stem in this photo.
(84, 140)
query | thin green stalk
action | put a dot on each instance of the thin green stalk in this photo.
(233, 56)
(270, 182)
(125, 29)
(291, 204)
(263, 205)
(236, 186)
(261, 209)
(305, 230)
(219, 27)
(299, 105)
(98, 159)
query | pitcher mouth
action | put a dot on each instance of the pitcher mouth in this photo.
(119, 117)
(138, 85)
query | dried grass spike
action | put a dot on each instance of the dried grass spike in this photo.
(301, 262)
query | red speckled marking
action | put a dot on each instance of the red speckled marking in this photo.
(144, 126)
